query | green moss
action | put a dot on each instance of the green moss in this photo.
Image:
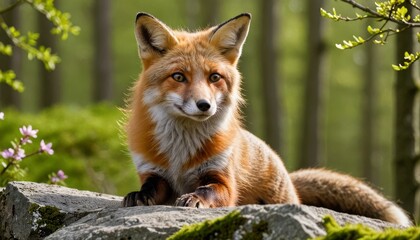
(46, 220)
(257, 231)
(359, 231)
(220, 228)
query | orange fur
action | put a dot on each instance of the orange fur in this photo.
(140, 132)
(189, 147)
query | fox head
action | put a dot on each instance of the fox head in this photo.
(190, 76)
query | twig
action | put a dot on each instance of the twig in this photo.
(374, 13)
(414, 5)
(13, 161)
(5, 168)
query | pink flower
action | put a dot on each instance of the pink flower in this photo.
(58, 178)
(28, 131)
(20, 154)
(16, 155)
(8, 153)
(46, 148)
(25, 140)
(54, 180)
(61, 175)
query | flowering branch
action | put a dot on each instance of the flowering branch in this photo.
(16, 154)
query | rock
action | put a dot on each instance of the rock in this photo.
(160, 222)
(33, 211)
(150, 222)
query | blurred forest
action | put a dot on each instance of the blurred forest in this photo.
(314, 104)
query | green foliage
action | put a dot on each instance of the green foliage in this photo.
(9, 77)
(358, 231)
(410, 57)
(62, 24)
(5, 49)
(29, 42)
(386, 13)
(14, 173)
(88, 147)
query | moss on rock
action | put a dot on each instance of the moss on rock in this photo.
(359, 231)
(257, 232)
(45, 220)
(221, 228)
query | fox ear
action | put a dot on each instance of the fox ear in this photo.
(153, 37)
(230, 36)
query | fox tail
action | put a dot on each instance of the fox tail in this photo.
(343, 193)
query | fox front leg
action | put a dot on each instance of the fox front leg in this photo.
(154, 191)
(214, 191)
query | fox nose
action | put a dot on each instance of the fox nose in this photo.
(203, 105)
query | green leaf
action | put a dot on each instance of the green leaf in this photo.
(395, 67)
(9, 77)
(6, 49)
(401, 14)
(410, 59)
(339, 46)
(373, 30)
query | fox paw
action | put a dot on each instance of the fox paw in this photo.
(191, 200)
(137, 199)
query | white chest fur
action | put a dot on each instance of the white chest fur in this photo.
(182, 181)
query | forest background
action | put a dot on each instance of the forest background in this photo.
(290, 68)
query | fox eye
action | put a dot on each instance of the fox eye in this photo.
(179, 77)
(214, 77)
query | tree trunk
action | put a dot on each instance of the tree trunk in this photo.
(368, 141)
(192, 9)
(103, 75)
(50, 80)
(210, 10)
(8, 96)
(406, 126)
(417, 169)
(203, 13)
(269, 75)
(311, 140)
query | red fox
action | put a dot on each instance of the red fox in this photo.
(187, 142)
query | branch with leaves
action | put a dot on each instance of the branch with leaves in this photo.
(393, 17)
(29, 42)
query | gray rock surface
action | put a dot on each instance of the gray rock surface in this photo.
(151, 222)
(159, 222)
(33, 211)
